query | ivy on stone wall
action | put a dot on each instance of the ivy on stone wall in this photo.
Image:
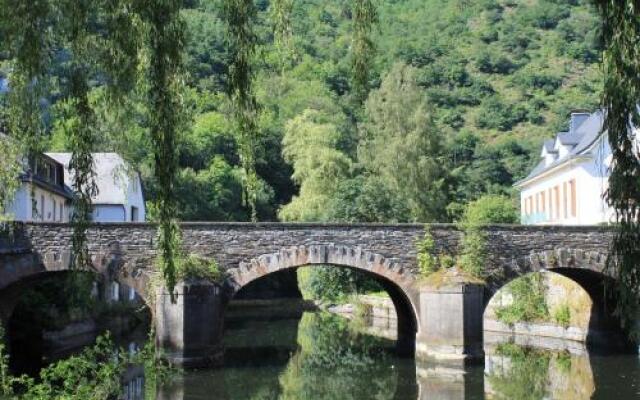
(621, 63)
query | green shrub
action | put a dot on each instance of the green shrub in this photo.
(490, 209)
(494, 62)
(562, 315)
(473, 255)
(497, 114)
(529, 303)
(446, 261)
(362, 310)
(427, 262)
(198, 267)
(486, 210)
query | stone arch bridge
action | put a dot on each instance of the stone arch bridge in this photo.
(432, 321)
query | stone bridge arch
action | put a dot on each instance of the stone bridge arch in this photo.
(21, 269)
(587, 269)
(392, 275)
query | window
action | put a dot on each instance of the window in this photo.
(134, 213)
(556, 199)
(55, 209)
(572, 190)
(565, 203)
(42, 207)
(61, 212)
(51, 171)
(550, 195)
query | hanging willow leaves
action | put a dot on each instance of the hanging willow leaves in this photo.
(100, 42)
(621, 61)
(165, 37)
(363, 49)
(27, 36)
(82, 126)
(282, 32)
(239, 15)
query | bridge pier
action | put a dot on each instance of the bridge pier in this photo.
(189, 331)
(451, 322)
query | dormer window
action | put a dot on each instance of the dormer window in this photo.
(549, 154)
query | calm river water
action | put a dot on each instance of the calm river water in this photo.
(324, 356)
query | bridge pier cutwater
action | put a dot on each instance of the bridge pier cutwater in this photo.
(444, 321)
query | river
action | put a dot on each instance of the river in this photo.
(325, 356)
(318, 355)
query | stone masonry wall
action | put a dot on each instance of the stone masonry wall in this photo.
(512, 250)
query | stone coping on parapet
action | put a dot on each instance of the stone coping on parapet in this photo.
(334, 225)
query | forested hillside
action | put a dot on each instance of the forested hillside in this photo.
(462, 93)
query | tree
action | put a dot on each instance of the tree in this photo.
(310, 144)
(400, 142)
(491, 209)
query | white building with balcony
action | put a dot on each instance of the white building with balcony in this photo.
(567, 186)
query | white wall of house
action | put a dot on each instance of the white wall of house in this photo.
(108, 213)
(549, 197)
(49, 206)
(135, 208)
(132, 209)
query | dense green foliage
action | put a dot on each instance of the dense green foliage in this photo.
(529, 303)
(197, 267)
(621, 33)
(334, 284)
(452, 104)
(485, 81)
(490, 209)
(93, 374)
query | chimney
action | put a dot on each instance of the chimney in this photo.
(577, 118)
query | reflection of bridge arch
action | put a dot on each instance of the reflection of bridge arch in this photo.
(391, 275)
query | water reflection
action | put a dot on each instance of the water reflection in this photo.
(326, 357)
(516, 372)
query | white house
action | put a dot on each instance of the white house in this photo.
(567, 186)
(120, 197)
(42, 194)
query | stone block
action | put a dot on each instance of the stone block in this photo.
(451, 322)
(189, 330)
